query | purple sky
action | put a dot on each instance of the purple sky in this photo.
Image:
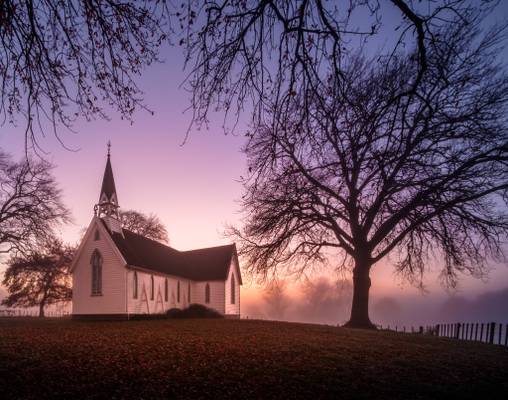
(193, 187)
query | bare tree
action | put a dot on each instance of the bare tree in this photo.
(360, 170)
(259, 55)
(62, 59)
(30, 204)
(149, 226)
(39, 278)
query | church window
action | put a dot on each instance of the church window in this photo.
(178, 292)
(166, 290)
(151, 288)
(96, 262)
(188, 293)
(233, 289)
(135, 285)
(207, 293)
(97, 236)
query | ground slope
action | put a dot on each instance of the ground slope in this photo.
(239, 359)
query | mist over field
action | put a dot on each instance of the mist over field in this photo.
(326, 302)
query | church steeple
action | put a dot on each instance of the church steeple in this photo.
(108, 199)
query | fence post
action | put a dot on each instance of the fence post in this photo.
(436, 329)
(492, 329)
(500, 332)
(506, 335)
(476, 332)
(481, 333)
(457, 330)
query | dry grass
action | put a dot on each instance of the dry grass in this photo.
(240, 359)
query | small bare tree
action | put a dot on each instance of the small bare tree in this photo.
(60, 59)
(40, 277)
(372, 166)
(30, 204)
(149, 226)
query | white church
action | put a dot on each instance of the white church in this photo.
(117, 273)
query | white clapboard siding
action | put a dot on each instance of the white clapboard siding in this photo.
(144, 304)
(112, 300)
(216, 295)
(232, 308)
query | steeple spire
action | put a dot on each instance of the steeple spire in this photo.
(108, 199)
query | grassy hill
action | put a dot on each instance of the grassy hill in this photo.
(239, 359)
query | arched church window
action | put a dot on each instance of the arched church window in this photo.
(151, 288)
(166, 290)
(188, 293)
(178, 292)
(135, 285)
(207, 293)
(96, 262)
(97, 235)
(233, 287)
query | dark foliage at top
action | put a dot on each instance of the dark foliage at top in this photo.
(62, 59)
(256, 56)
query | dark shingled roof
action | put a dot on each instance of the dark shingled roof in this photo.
(108, 182)
(199, 265)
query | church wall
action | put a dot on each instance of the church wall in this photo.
(216, 295)
(232, 308)
(112, 300)
(143, 304)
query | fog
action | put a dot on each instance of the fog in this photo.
(325, 301)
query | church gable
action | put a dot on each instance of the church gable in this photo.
(98, 274)
(95, 233)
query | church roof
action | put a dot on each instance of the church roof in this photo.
(108, 182)
(207, 264)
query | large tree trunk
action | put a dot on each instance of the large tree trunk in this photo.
(41, 310)
(361, 286)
